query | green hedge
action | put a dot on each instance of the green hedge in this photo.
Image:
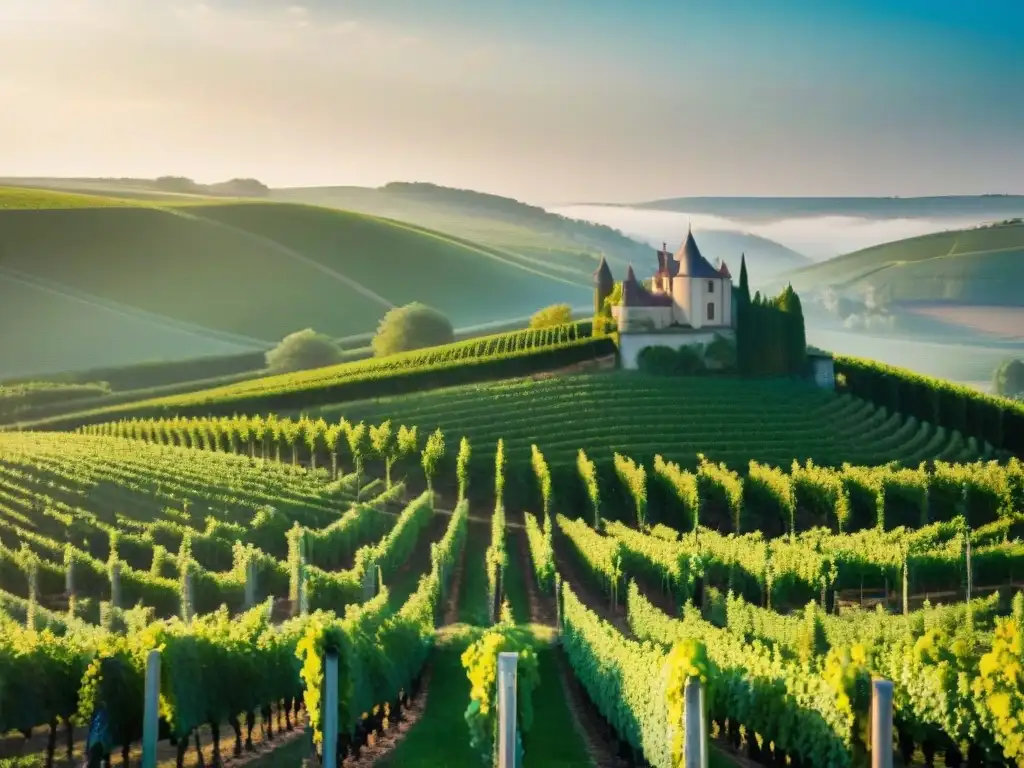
(993, 419)
(465, 371)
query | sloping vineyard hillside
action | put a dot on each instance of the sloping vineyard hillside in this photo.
(245, 543)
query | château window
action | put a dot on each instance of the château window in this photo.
(711, 286)
(711, 310)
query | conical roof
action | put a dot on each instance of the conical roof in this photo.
(603, 273)
(691, 262)
(635, 295)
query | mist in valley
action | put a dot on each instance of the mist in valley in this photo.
(817, 237)
(950, 352)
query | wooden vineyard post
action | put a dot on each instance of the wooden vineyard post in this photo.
(151, 710)
(695, 746)
(250, 584)
(330, 743)
(507, 666)
(881, 723)
(115, 584)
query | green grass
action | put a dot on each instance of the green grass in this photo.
(473, 599)
(441, 737)
(731, 420)
(18, 198)
(515, 584)
(553, 740)
(525, 232)
(181, 279)
(973, 266)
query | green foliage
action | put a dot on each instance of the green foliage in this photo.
(771, 339)
(433, 452)
(588, 474)
(1008, 379)
(303, 350)
(995, 420)
(462, 467)
(411, 327)
(542, 553)
(492, 357)
(480, 660)
(552, 316)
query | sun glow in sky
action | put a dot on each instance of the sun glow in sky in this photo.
(590, 100)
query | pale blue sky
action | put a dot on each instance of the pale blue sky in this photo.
(547, 101)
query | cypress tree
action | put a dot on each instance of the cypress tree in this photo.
(744, 323)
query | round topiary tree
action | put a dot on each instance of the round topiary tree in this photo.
(556, 314)
(413, 326)
(303, 350)
(1009, 379)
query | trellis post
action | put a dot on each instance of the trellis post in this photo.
(507, 666)
(330, 743)
(695, 749)
(881, 723)
(151, 710)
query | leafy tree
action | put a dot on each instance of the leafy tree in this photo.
(413, 326)
(302, 350)
(462, 467)
(556, 314)
(433, 452)
(384, 443)
(358, 439)
(1008, 380)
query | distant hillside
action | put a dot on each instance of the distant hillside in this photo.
(770, 208)
(570, 246)
(92, 281)
(980, 266)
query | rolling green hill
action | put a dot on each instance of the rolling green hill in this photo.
(983, 266)
(569, 245)
(104, 281)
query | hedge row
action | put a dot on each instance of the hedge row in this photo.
(465, 371)
(987, 418)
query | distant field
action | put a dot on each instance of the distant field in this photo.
(1007, 322)
(111, 282)
(983, 266)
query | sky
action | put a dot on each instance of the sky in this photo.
(549, 102)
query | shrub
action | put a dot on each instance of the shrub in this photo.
(413, 326)
(549, 317)
(659, 360)
(302, 350)
(1009, 379)
(665, 361)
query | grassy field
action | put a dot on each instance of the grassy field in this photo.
(728, 420)
(981, 266)
(513, 227)
(111, 282)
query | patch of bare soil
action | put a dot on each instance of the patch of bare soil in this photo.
(380, 744)
(262, 743)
